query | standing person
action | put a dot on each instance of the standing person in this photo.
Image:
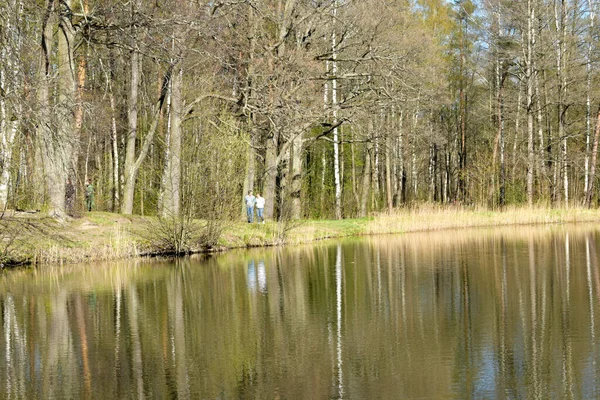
(89, 195)
(260, 207)
(250, 200)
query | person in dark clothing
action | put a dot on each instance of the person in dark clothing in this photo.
(89, 195)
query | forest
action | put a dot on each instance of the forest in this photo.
(329, 108)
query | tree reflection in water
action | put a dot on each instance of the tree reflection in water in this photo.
(493, 314)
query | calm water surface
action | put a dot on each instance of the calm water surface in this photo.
(510, 313)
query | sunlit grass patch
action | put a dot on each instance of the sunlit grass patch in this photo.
(103, 236)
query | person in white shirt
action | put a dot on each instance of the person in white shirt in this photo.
(260, 207)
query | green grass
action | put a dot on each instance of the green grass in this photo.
(102, 235)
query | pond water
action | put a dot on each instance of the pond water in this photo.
(504, 313)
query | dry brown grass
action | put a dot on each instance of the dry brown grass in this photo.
(106, 236)
(432, 218)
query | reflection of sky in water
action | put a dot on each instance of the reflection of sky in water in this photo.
(486, 380)
(589, 382)
(257, 276)
(251, 276)
(262, 277)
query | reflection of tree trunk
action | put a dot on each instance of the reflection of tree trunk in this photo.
(403, 297)
(183, 389)
(136, 348)
(117, 308)
(87, 375)
(534, 323)
(466, 305)
(591, 302)
(503, 314)
(567, 334)
(339, 307)
(59, 345)
(7, 317)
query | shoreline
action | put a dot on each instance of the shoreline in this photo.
(28, 240)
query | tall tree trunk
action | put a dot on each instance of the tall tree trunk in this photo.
(51, 143)
(502, 199)
(132, 168)
(5, 148)
(270, 175)
(336, 151)
(400, 186)
(115, 147)
(254, 132)
(529, 75)
(167, 141)
(70, 99)
(11, 80)
(79, 86)
(366, 179)
(323, 170)
(413, 157)
(588, 90)
(431, 170)
(517, 131)
(550, 162)
(132, 125)
(376, 158)
(388, 171)
(463, 117)
(172, 196)
(499, 142)
(590, 192)
(296, 173)
(560, 16)
(250, 167)
(543, 174)
(354, 181)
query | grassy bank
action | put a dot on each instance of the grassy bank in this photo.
(35, 239)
